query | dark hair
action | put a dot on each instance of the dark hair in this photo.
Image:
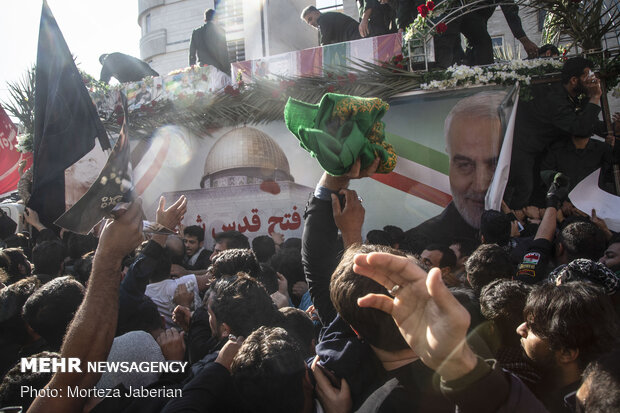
(502, 302)
(467, 298)
(16, 258)
(145, 316)
(308, 10)
(548, 47)
(604, 381)
(583, 240)
(12, 299)
(575, 315)
(209, 13)
(375, 326)
(466, 246)
(15, 379)
(495, 227)
(448, 257)
(48, 257)
(378, 237)
(299, 325)
(269, 371)
(268, 277)
(288, 263)
(575, 67)
(195, 231)
(291, 243)
(242, 303)
(263, 247)
(395, 233)
(19, 240)
(232, 261)
(78, 244)
(82, 267)
(233, 239)
(489, 262)
(52, 307)
(5, 261)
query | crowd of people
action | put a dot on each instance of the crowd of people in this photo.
(473, 310)
(333, 322)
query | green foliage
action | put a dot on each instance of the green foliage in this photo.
(21, 103)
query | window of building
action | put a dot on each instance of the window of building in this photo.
(498, 41)
(230, 16)
(147, 23)
(329, 5)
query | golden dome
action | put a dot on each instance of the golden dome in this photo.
(245, 148)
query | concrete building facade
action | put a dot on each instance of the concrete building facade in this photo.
(254, 29)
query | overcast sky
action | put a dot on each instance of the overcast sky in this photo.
(90, 28)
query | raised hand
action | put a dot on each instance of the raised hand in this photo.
(349, 219)
(172, 216)
(182, 296)
(172, 344)
(229, 351)
(122, 235)
(431, 320)
(181, 316)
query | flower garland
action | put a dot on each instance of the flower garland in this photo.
(501, 74)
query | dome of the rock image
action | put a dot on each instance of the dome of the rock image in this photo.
(245, 156)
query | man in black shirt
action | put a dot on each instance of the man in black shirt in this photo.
(556, 113)
(474, 27)
(209, 42)
(124, 68)
(579, 157)
(376, 18)
(333, 27)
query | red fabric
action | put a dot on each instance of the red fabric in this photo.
(9, 156)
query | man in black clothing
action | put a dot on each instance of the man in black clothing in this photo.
(474, 27)
(209, 42)
(376, 18)
(579, 157)
(561, 350)
(556, 113)
(333, 27)
(124, 68)
(197, 257)
(576, 240)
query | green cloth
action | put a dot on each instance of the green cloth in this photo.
(339, 129)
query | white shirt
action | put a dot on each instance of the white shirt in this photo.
(162, 294)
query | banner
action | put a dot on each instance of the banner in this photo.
(312, 62)
(10, 157)
(260, 173)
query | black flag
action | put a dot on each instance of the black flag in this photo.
(66, 120)
(112, 186)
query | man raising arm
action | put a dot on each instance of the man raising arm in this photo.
(91, 332)
(434, 325)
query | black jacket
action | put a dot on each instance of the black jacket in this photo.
(337, 27)
(209, 42)
(125, 68)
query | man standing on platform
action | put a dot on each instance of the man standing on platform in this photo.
(334, 27)
(209, 42)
